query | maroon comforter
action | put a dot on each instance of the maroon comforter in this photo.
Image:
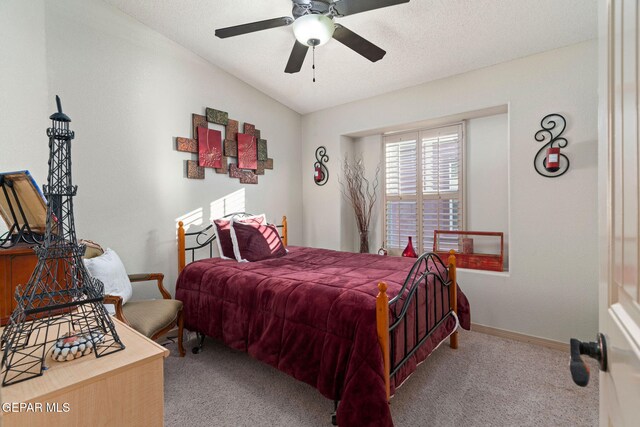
(310, 314)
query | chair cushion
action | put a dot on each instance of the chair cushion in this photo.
(151, 316)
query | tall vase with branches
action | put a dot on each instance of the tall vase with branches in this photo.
(362, 194)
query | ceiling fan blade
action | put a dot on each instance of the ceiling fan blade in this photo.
(223, 33)
(350, 7)
(296, 58)
(360, 45)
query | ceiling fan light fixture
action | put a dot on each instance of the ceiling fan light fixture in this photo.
(313, 29)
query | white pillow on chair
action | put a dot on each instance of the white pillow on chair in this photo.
(108, 268)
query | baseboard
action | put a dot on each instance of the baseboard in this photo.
(556, 345)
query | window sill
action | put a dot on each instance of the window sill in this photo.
(485, 272)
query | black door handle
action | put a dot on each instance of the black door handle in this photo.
(596, 350)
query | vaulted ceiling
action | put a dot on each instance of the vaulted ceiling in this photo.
(425, 40)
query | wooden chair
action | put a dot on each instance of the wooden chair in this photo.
(152, 318)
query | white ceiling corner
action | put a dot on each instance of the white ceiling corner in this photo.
(425, 40)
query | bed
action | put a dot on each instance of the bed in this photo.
(354, 326)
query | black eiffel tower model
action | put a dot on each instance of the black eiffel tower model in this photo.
(61, 298)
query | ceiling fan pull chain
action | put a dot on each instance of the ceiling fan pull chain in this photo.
(314, 64)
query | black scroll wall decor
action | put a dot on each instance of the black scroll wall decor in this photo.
(321, 173)
(551, 163)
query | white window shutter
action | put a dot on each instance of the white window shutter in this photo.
(400, 172)
(423, 187)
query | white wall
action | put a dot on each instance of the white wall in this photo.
(129, 92)
(551, 289)
(24, 109)
(369, 149)
(486, 180)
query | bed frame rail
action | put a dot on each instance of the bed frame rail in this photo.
(414, 291)
(205, 239)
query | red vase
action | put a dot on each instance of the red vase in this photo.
(409, 251)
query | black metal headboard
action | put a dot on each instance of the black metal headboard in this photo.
(204, 238)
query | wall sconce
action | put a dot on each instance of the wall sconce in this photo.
(321, 173)
(551, 163)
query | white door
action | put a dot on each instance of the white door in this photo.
(619, 205)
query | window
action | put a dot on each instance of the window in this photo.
(423, 187)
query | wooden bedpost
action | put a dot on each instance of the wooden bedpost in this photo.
(453, 294)
(382, 322)
(284, 231)
(181, 253)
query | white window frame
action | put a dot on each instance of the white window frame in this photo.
(419, 197)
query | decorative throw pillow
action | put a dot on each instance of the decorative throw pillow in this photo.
(92, 249)
(108, 268)
(222, 228)
(255, 242)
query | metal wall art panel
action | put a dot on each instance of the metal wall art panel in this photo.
(262, 149)
(225, 166)
(230, 148)
(245, 176)
(218, 117)
(187, 145)
(198, 121)
(260, 169)
(194, 171)
(250, 129)
(232, 129)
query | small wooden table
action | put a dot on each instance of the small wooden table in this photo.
(125, 388)
(464, 259)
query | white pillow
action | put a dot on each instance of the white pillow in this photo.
(108, 268)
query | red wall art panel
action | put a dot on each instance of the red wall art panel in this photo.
(247, 151)
(209, 148)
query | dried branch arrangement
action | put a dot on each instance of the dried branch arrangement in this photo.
(362, 194)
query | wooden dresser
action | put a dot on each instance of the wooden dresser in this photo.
(16, 265)
(125, 388)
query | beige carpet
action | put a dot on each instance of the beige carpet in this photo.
(488, 381)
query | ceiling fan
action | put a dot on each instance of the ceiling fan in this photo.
(313, 26)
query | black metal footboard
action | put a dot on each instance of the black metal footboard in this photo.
(427, 298)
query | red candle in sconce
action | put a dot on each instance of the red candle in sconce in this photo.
(552, 163)
(319, 176)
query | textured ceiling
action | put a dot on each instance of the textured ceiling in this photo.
(425, 40)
